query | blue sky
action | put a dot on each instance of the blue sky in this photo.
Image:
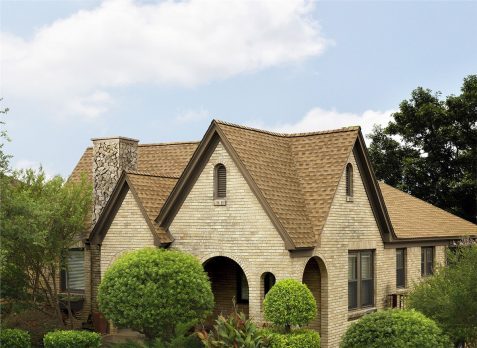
(160, 71)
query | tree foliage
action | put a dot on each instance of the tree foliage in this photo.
(450, 295)
(289, 303)
(394, 329)
(40, 219)
(430, 149)
(4, 158)
(154, 290)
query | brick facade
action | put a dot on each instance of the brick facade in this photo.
(242, 231)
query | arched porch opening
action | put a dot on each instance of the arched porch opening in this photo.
(229, 284)
(316, 278)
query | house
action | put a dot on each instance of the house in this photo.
(257, 206)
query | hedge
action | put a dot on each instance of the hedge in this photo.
(394, 329)
(15, 338)
(302, 338)
(72, 339)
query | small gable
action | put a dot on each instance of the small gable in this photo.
(128, 231)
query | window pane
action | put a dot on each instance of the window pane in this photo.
(75, 271)
(352, 294)
(400, 271)
(352, 267)
(243, 287)
(367, 292)
(366, 266)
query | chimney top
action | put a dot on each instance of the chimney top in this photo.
(115, 138)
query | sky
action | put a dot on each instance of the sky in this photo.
(160, 71)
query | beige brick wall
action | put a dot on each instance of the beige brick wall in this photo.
(128, 231)
(242, 231)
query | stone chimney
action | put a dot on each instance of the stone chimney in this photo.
(110, 157)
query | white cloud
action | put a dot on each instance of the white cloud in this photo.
(320, 119)
(190, 115)
(24, 164)
(72, 61)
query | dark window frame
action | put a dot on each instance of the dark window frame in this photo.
(360, 284)
(349, 180)
(64, 274)
(427, 266)
(401, 268)
(243, 290)
(220, 181)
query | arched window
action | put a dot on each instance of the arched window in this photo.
(268, 281)
(349, 180)
(220, 178)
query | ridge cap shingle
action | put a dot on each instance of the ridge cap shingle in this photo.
(288, 135)
(139, 173)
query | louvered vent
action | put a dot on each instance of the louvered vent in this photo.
(349, 180)
(221, 181)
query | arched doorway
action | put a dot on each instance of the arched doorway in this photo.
(316, 278)
(229, 284)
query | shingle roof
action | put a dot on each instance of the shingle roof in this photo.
(297, 173)
(414, 218)
(152, 192)
(166, 160)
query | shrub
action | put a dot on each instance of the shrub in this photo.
(450, 296)
(14, 338)
(72, 339)
(394, 329)
(302, 338)
(154, 290)
(288, 303)
(233, 331)
(35, 322)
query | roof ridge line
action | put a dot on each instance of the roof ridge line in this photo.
(289, 135)
(171, 143)
(134, 172)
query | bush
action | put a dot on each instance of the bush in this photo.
(394, 329)
(288, 303)
(303, 338)
(450, 296)
(72, 339)
(14, 338)
(233, 331)
(35, 322)
(154, 290)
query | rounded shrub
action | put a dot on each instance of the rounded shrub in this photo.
(15, 338)
(289, 303)
(154, 290)
(302, 338)
(72, 339)
(394, 329)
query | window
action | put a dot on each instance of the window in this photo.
(242, 286)
(427, 261)
(400, 268)
(220, 178)
(349, 180)
(268, 281)
(360, 279)
(72, 274)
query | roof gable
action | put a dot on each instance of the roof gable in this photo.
(149, 191)
(294, 176)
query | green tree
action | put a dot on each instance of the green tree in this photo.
(430, 149)
(4, 158)
(154, 291)
(450, 295)
(40, 219)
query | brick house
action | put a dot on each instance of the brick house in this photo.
(255, 207)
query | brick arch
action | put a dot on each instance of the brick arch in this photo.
(238, 260)
(225, 274)
(315, 276)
